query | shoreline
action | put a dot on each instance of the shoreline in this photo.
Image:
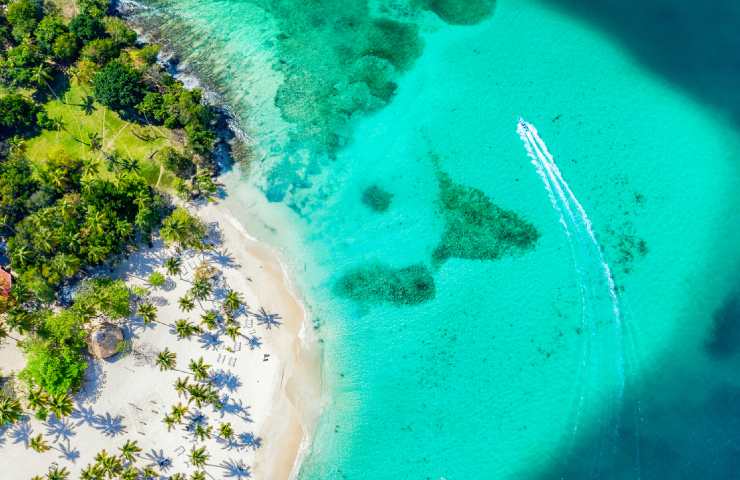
(291, 403)
(286, 392)
(298, 400)
(276, 388)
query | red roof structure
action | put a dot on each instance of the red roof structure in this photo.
(6, 282)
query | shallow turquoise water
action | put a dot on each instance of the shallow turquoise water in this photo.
(524, 366)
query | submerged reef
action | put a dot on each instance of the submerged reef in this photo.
(337, 60)
(377, 283)
(376, 199)
(460, 12)
(476, 228)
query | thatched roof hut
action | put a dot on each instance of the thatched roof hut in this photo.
(105, 340)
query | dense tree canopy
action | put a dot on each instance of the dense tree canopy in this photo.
(117, 85)
(23, 16)
(17, 185)
(18, 65)
(17, 114)
(48, 30)
(86, 28)
(81, 228)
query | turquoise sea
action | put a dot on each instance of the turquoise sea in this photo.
(496, 299)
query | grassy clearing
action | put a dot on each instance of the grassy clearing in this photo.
(125, 138)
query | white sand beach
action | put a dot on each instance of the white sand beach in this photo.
(271, 392)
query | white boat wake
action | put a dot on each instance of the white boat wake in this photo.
(603, 353)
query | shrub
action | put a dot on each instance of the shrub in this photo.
(156, 280)
(117, 86)
(100, 50)
(119, 32)
(55, 359)
(94, 8)
(111, 298)
(182, 165)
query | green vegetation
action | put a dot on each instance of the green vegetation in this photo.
(117, 85)
(476, 228)
(379, 283)
(183, 230)
(17, 114)
(56, 341)
(92, 132)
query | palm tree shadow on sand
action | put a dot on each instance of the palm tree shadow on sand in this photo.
(694, 45)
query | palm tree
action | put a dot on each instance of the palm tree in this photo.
(20, 256)
(129, 473)
(94, 141)
(61, 405)
(198, 394)
(178, 412)
(186, 303)
(201, 432)
(185, 329)
(199, 457)
(149, 473)
(209, 319)
(169, 422)
(37, 398)
(90, 167)
(181, 386)
(198, 475)
(226, 431)
(88, 105)
(38, 444)
(233, 301)
(199, 369)
(201, 289)
(41, 75)
(129, 450)
(233, 330)
(178, 476)
(213, 398)
(173, 265)
(91, 472)
(10, 410)
(166, 360)
(57, 473)
(109, 464)
(148, 312)
(130, 164)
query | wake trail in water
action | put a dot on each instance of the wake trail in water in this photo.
(599, 298)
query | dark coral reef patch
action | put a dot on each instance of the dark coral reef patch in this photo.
(461, 12)
(376, 199)
(476, 228)
(377, 283)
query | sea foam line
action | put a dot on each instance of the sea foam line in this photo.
(545, 164)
